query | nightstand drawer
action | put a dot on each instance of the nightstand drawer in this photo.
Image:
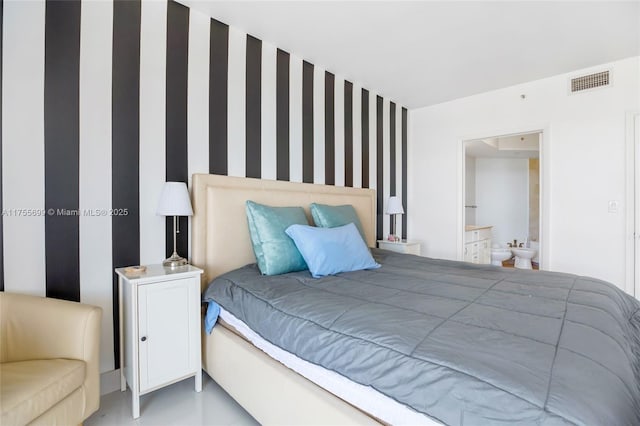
(407, 247)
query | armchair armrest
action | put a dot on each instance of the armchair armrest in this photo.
(41, 328)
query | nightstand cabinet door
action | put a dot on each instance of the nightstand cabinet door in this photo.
(168, 331)
(159, 329)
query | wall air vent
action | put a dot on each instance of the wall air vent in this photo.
(590, 81)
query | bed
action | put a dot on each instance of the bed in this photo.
(500, 346)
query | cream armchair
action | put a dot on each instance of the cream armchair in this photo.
(49, 360)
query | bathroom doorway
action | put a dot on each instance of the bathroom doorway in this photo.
(501, 190)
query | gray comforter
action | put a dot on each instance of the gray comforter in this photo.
(463, 344)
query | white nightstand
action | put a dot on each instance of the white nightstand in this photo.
(159, 329)
(404, 246)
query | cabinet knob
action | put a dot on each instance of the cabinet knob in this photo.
(144, 338)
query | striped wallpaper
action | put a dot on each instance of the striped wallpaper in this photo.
(104, 101)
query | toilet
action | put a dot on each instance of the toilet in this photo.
(523, 257)
(500, 254)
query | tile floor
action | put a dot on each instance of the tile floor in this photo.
(177, 404)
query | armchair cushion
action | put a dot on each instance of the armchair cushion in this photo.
(30, 388)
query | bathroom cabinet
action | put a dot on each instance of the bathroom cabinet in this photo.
(477, 244)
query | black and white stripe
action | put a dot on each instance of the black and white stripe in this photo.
(102, 102)
(392, 153)
(307, 122)
(296, 135)
(348, 133)
(319, 127)
(96, 95)
(329, 129)
(62, 145)
(236, 103)
(218, 95)
(338, 131)
(125, 144)
(176, 114)
(269, 112)
(253, 106)
(282, 115)
(365, 138)
(404, 170)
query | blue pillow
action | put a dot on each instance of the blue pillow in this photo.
(275, 252)
(326, 216)
(329, 251)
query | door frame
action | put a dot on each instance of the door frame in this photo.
(545, 172)
(632, 231)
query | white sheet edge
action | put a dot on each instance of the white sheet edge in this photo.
(364, 397)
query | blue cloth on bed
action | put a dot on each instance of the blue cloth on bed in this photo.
(213, 310)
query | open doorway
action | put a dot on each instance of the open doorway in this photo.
(502, 189)
(633, 204)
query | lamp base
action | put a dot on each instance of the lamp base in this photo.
(174, 261)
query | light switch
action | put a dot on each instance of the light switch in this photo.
(613, 206)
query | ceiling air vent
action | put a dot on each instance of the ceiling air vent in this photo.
(590, 81)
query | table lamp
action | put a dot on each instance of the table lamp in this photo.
(174, 201)
(394, 207)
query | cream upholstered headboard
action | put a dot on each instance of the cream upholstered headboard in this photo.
(220, 235)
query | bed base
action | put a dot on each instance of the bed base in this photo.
(271, 392)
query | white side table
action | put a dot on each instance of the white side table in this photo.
(404, 246)
(159, 329)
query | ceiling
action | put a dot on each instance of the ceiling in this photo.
(420, 53)
(525, 145)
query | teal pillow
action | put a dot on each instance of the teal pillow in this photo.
(275, 252)
(326, 216)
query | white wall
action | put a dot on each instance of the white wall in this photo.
(502, 196)
(584, 150)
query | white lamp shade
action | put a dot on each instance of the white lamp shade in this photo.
(174, 200)
(394, 206)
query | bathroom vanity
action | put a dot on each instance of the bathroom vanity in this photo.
(477, 244)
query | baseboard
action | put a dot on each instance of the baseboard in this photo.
(109, 382)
